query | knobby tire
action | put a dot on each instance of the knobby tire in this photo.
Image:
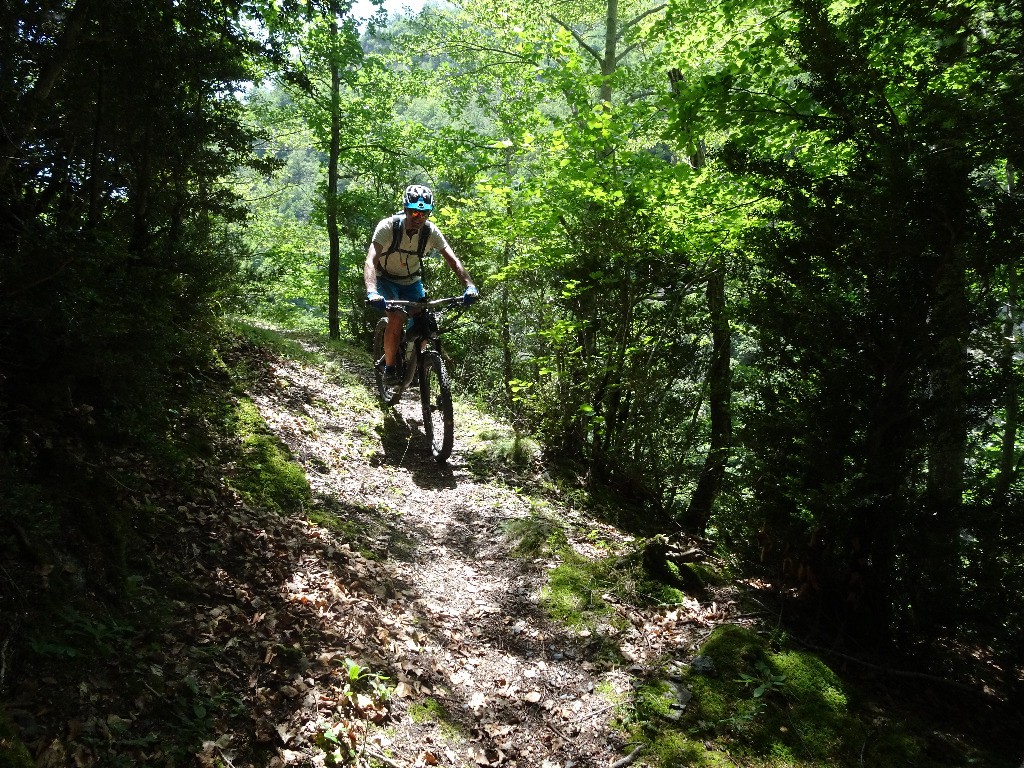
(389, 393)
(436, 398)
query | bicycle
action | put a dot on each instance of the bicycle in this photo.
(420, 353)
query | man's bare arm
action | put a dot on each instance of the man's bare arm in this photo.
(370, 267)
(456, 265)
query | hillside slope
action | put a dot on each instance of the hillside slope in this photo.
(319, 591)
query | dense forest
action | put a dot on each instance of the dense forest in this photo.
(751, 267)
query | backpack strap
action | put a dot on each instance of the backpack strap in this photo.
(397, 221)
(421, 246)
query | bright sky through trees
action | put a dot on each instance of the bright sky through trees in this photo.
(365, 9)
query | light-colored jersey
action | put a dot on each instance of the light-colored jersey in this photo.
(403, 266)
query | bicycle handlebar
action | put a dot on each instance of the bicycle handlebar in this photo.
(399, 305)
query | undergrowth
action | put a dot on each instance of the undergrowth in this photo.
(763, 703)
(754, 699)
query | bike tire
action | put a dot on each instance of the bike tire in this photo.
(389, 393)
(436, 398)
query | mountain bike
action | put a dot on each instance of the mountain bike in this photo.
(420, 354)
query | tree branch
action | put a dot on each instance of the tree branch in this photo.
(628, 759)
(579, 39)
(637, 19)
(626, 51)
(502, 51)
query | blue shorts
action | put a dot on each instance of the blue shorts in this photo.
(390, 290)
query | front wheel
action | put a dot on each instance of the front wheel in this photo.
(388, 393)
(436, 397)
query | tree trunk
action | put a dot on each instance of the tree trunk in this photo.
(611, 39)
(698, 513)
(334, 264)
(94, 157)
(1011, 401)
(506, 333)
(940, 516)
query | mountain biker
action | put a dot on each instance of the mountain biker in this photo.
(393, 269)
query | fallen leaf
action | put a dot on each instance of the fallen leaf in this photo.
(285, 734)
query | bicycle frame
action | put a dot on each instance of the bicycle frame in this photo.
(429, 311)
(420, 352)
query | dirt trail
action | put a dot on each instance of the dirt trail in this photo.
(481, 675)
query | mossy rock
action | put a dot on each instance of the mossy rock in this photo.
(816, 701)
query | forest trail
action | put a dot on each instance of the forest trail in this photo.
(433, 601)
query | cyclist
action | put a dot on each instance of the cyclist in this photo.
(393, 269)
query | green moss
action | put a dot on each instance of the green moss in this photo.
(539, 533)
(350, 530)
(655, 699)
(265, 474)
(493, 452)
(572, 594)
(431, 710)
(817, 703)
(428, 710)
(709, 574)
(673, 750)
(360, 534)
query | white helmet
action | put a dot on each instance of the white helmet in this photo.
(418, 197)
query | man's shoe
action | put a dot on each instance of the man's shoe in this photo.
(392, 376)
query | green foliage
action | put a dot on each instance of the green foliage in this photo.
(860, 309)
(13, 752)
(117, 258)
(74, 633)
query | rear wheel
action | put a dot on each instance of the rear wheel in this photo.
(436, 397)
(388, 393)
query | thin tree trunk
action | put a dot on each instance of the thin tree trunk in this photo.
(611, 39)
(94, 159)
(702, 503)
(939, 565)
(698, 513)
(1011, 399)
(506, 334)
(334, 264)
